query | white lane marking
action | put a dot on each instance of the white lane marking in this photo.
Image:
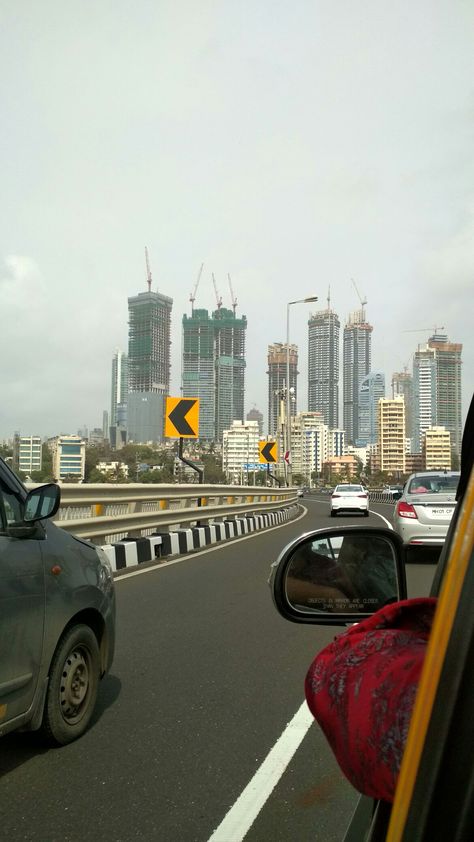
(243, 813)
(209, 549)
(383, 518)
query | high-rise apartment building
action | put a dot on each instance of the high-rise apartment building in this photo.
(277, 376)
(402, 387)
(371, 389)
(356, 360)
(119, 387)
(448, 387)
(323, 365)
(391, 435)
(148, 364)
(437, 389)
(213, 368)
(437, 449)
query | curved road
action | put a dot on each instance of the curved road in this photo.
(205, 680)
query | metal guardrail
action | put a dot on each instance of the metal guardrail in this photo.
(104, 513)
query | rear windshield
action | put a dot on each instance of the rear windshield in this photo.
(342, 488)
(433, 484)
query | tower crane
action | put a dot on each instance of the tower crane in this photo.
(192, 295)
(218, 297)
(148, 270)
(363, 301)
(433, 330)
(232, 296)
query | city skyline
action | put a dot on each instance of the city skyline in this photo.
(291, 151)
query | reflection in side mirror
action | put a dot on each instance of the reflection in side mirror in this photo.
(348, 573)
(41, 503)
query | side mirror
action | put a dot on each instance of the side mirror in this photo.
(41, 503)
(396, 495)
(338, 576)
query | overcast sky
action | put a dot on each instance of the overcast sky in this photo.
(292, 145)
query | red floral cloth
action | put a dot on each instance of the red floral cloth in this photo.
(361, 689)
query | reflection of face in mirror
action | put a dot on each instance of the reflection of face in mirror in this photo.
(351, 573)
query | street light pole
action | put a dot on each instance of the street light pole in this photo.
(288, 419)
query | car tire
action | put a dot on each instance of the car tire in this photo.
(73, 686)
(333, 514)
(366, 513)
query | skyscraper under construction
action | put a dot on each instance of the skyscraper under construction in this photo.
(213, 368)
(282, 360)
(148, 363)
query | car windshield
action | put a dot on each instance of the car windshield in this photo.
(433, 484)
(343, 489)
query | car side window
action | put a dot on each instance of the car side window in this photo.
(10, 507)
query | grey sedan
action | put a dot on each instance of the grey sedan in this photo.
(423, 513)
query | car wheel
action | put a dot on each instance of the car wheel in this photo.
(366, 513)
(73, 686)
(333, 514)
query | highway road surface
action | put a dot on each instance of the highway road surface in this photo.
(201, 732)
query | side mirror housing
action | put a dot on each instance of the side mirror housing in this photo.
(41, 503)
(338, 576)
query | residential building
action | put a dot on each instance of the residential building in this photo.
(119, 388)
(27, 454)
(279, 355)
(148, 365)
(424, 393)
(323, 365)
(437, 449)
(356, 361)
(213, 368)
(448, 387)
(391, 435)
(413, 463)
(115, 468)
(312, 443)
(437, 389)
(371, 389)
(402, 387)
(340, 466)
(240, 452)
(69, 457)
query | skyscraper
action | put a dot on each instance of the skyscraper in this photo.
(437, 389)
(213, 368)
(148, 364)
(371, 389)
(277, 384)
(323, 365)
(119, 390)
(356, 365)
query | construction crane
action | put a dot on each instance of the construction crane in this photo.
(363, 301)
(232, 296)
(218, 297)
(192, 295)
(433, 330)
(148, 270)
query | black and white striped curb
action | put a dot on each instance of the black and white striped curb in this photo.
(130, 552)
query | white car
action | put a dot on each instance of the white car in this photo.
(349, 498)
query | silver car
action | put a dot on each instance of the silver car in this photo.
(423, 513)
(57, 616)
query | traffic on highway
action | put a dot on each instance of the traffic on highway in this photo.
(198, 713)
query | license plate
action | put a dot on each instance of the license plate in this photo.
(441, 512)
